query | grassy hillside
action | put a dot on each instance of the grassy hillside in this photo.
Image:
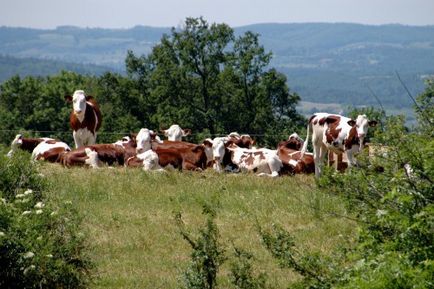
(129, 218)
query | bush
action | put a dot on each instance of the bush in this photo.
(40, 244)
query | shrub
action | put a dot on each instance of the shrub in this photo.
(40, 243)
(207, 254)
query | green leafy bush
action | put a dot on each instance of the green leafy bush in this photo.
(40, 244)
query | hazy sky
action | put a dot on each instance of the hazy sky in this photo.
(168, 13)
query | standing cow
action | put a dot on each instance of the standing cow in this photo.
(85, 118)
(336, 133)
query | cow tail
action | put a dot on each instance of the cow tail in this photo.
(304, 148)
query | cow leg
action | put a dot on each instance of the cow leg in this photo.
(319, 160)
(77, 140)
(351, 159)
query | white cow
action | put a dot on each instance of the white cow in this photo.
(230, 157)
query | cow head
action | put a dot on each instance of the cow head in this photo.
(175, 132)
(78, 100)
(295, 141)
(15, 144)
(144, 139)
(362, 124)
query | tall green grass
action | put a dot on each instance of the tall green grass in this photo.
(129, 217)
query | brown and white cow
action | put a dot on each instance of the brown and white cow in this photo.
(26, 144)
(229, 157)
(175, 132)
(41, 148)
(243, 141)
(176, 154)
(290, 154)
(100, 154)
(50, 150)
(336, 133)
(85, 118)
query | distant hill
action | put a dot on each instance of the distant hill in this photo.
(325, 63)
(10, 66)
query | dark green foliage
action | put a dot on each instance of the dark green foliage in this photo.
(242, 276)
(317, 270)
(204, 78)
(40, 245)
(200, 77)
(207, 255)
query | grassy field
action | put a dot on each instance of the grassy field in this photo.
(128, 215)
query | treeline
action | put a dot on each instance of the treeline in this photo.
(202, 77)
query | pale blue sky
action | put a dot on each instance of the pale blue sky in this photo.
(168, 13)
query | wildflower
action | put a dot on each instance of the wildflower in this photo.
(28, 255)
(38, 212)
(26, 213)
(2, 234)
(381, 213)
(39, 205)
(18, 196)
(53, 213)
(28, 192)
(31, 267)
(49, 256)
(39, 238)
(3, 201)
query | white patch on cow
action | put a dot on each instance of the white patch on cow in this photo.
(92, 158)
(83, 137)
(293, 162)
(150, 161)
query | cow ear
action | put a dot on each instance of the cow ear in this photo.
(186, 132)
(207, 143)
(332, 119)
(89, 97)
(372, 123)
(351, 122)
(68, 98)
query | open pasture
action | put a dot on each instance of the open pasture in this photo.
(128, 215)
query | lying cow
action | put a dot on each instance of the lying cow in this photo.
(229, 157)
(243, 141)
(41, 148)
(50, 150)
(293, 161)
(175, 132)
(99, 154)
(336, 133)
(176, 154)
(26, 144)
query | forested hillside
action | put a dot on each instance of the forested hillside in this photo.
(324, 63)
(11, 66)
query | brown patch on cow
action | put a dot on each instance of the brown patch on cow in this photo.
(312, 117)
(51, 141)
(352, 138)
(29, 144)
(181, 155)
(52, 155)
(249, 157)
(322, 121)
(304, 165)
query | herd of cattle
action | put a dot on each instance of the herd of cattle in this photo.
(233, 153)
